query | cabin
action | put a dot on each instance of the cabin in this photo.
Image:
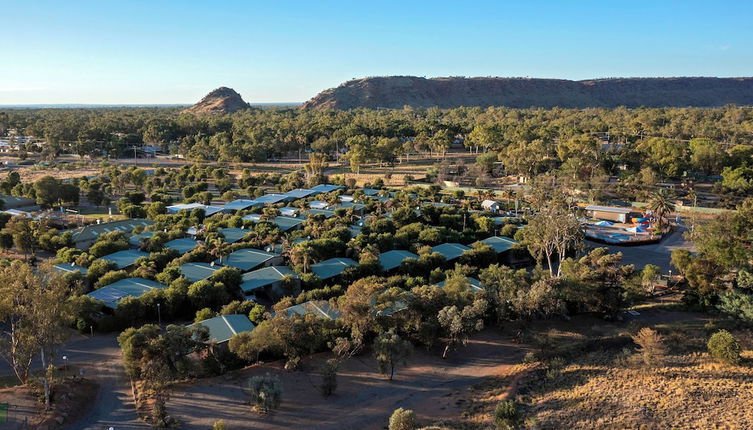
(320, 308)
(391, 260)
(112, 294)
(490, 205)
(450, 251)
(224, 327)
(183, 245)
(331, 268)
(267, 281)
(248, 259)
(611, 213)
(84, 237)
(196, 272)
(126, 258)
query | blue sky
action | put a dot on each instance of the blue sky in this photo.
(283, 51)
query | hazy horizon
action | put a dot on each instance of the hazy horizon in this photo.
(146, 53)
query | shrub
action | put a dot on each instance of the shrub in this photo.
(505, 414)
(724, 347)
(219, 425)
(509, 230)
(329, 377)
(402, 419)
(204, 314)
(266, 393)
(650, 346)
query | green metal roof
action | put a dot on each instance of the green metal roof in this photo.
(286, 223)
(223, 327)
(319, 308)
(392, 259)
(125, 258)
(112, 294)
(500, 244)
(136, 239)
(93, 231)
(183, 245)
(13, 202)
(264, 277)
(195, 272)
(450, 251)
(332, 267)
(233, 235)
(247, 259)
(69, 268)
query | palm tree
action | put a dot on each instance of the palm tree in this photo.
(661, 205)
(301, 255)
(219, 249)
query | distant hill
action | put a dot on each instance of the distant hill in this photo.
(394, 92)
(221, 101)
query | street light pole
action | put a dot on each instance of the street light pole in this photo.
(159, 315)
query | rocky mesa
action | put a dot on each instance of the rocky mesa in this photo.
(221, 101)
(395, 92)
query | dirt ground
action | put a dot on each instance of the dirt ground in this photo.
(432, 387)
(70, 400)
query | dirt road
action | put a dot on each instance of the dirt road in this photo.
(364, 398)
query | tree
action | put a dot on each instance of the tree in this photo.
(389, 350)
(154, 358)
(315, 168)
(553, 231)
(666, 156)
(506, 415)
(47, 190)
(724, 347)
(301, 255)
(23, 231)
(650, 346)
(485, 162)
(35, 312)
(266, 393)
(649, 275)
(738, 179)
(402, 419)
(460, 324)
(681, 259)
(706, 155)
(661, 205)
(329, 377)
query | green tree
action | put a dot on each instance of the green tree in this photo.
(459, 324)
(402, 419)
(329, 377)
(661, 205)
(390, 350)
(706, 155)
(724, 347)
(266, 393)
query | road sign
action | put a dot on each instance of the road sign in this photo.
(3, 412)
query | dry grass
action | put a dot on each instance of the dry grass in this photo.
(689, 392)
(594, 379)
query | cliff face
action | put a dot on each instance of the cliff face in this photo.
(221, 101)
(395, 92)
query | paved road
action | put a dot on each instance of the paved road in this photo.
(658, 253)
